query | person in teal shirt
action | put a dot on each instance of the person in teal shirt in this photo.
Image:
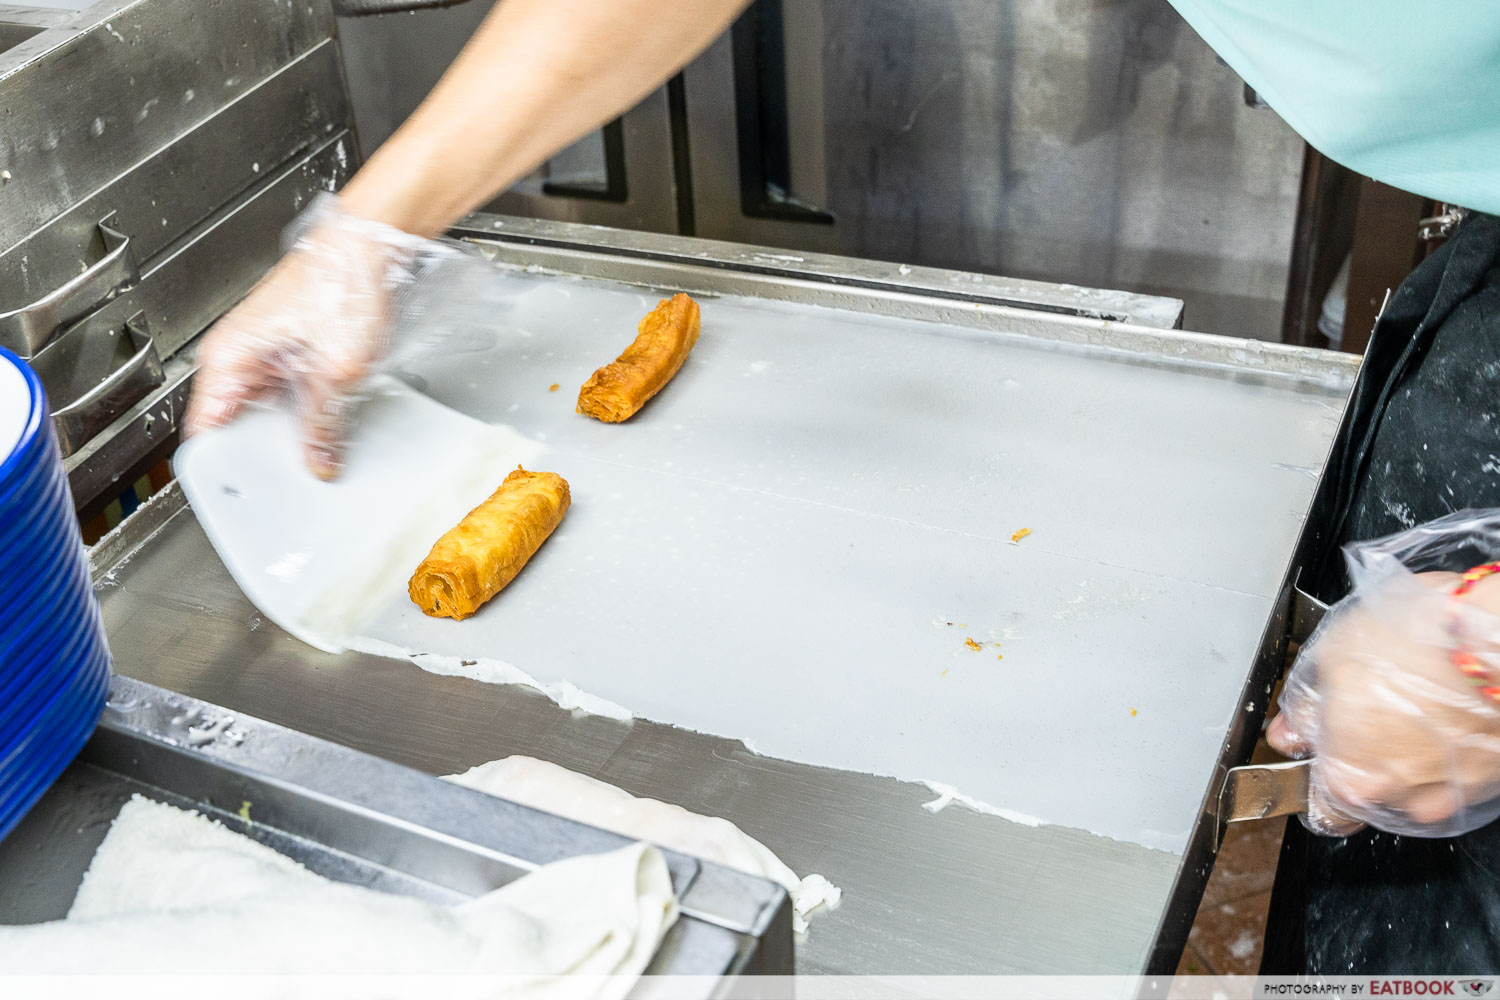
(1405, 92)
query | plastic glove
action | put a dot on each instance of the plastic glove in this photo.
(313, 328)
(1401, 739)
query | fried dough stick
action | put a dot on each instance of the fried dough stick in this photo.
(475, 559)
(663, 340)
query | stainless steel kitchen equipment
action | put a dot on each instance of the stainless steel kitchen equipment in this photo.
(353, 818)
(82, 403)
(240, 139)
(146, 172)
(959, 892)
(621, 175)
(1102, 144)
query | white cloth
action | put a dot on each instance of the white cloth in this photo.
(173, 892)
(557, 790)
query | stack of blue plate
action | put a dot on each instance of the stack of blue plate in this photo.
(54, 665)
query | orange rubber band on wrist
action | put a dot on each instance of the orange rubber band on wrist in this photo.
(1470, 665)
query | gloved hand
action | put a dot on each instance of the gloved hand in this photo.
(313, 328)
(1402, 740)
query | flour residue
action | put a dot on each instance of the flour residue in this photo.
(566, 694)
(947, 795)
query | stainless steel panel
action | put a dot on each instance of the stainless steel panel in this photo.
(86, 101)
(866, 285)
(45, 13)
(650, 203)
(352, 818)
(164, 195)
(12, 34)
(1101, 144)
(393, 61)
(19, 25)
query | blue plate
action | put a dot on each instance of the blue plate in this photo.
(65, 563)
(44, 594)
(42, 518)
(41, 515)
(61, 609)
(25, 479)
(43, 675)
(67, 731)
(24, 506)
(54, 724)
(78, 696)
(33, 703)
(54, 663)
(57, 735)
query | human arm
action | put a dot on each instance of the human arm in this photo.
(537, 75)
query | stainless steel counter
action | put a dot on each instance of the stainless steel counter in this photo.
(952, 892)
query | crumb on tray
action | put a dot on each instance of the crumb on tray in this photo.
(1020, 534)
(972, 644)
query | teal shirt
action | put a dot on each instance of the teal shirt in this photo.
(1405, 91)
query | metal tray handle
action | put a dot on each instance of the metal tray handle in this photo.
(127, 385)
(28, 329)
(1260, 791)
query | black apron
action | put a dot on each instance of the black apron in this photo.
(1424, 441)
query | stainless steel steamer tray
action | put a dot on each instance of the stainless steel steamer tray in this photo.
(1172, 471)
(353, 818)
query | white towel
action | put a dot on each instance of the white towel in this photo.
(173, 892)
(557, 790)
